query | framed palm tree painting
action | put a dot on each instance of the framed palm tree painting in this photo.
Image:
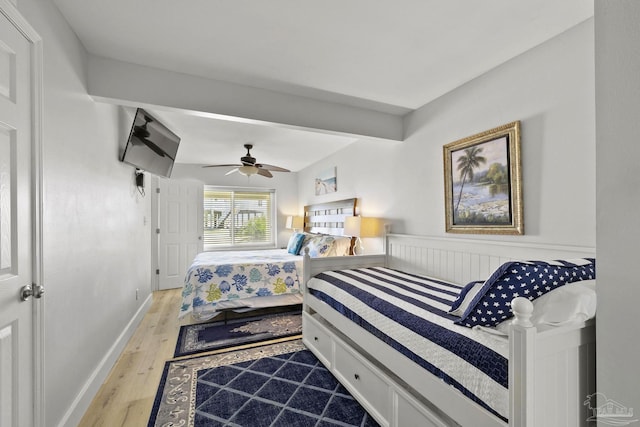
(482, 182)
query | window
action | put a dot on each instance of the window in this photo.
(238, 218)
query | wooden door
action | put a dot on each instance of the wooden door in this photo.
(19, 295)
(180, 210)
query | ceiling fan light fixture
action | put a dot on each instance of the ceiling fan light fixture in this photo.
(249, 166)
(248, 170)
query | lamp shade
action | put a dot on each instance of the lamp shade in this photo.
(294, 222)
(371, 227)
(352, 226)
(357, 226)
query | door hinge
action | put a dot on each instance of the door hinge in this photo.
(157, 231)
(158, 190)
(157, 271)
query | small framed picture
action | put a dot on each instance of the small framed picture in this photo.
(326, 182)
(482, 183)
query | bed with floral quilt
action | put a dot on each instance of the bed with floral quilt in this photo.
(243, 280)
(237, 279)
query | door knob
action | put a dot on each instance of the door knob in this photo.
(29, 291)
(26, 293)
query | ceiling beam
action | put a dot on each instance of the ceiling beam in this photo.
(129, 84)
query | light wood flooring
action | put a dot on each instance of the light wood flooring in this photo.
(126, 397)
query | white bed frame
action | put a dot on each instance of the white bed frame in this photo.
(551, 373)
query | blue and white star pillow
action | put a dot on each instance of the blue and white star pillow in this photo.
(490, 303)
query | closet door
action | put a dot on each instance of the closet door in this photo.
(180, 221)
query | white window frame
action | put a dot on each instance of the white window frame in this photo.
(270, 242)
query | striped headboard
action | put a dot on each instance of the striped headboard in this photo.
(329, 217)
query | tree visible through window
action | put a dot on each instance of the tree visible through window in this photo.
(243, 218)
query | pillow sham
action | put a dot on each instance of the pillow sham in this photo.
(295, 243)
(319, 245)
(567, 304)
(341, 245)
(325, 245)
(491, 303)
(575, 302)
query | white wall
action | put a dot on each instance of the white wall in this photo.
(549, 89)
(618, 151)
(96, 248)
(285, 184)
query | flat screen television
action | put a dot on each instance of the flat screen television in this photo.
(151, 147)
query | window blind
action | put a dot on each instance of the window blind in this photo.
(235, 217)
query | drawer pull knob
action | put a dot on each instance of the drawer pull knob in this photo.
(315, 338)
(356, 376)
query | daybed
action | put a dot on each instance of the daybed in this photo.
(403, 381)
(246, 280)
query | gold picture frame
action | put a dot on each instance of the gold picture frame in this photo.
(483, 183)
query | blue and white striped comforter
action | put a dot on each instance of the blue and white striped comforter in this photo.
(410, 314)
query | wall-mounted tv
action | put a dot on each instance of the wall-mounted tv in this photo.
(151, 146)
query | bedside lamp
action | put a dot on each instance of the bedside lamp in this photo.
(294, 222)
(357, 226)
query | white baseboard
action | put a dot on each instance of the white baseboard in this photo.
(81, 403)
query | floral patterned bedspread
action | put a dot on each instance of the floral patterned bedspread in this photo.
(216, 277)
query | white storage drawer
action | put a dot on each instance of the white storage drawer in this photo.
(383, 398)
(316, 337)
(359, 379)
(409, 413)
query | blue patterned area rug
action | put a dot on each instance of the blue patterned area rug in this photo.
(218, 335)
(277, 385)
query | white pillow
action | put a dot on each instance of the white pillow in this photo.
(341, 246)
(572, 303)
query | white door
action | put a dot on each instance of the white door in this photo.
(180, 211)
(18, 326)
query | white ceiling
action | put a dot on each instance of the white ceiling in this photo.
(391, 56)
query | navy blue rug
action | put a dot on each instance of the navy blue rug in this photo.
(278, 385)
(232, 333)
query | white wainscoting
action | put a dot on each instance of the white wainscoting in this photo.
(463, 260)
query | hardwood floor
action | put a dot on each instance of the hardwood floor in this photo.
(126, 397)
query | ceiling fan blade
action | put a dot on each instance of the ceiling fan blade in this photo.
(272, 168)
(231, 171)
(159, 151)
(264, 173)
(248, 166)
(222, 166)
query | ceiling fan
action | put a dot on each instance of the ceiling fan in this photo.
(248, 166)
